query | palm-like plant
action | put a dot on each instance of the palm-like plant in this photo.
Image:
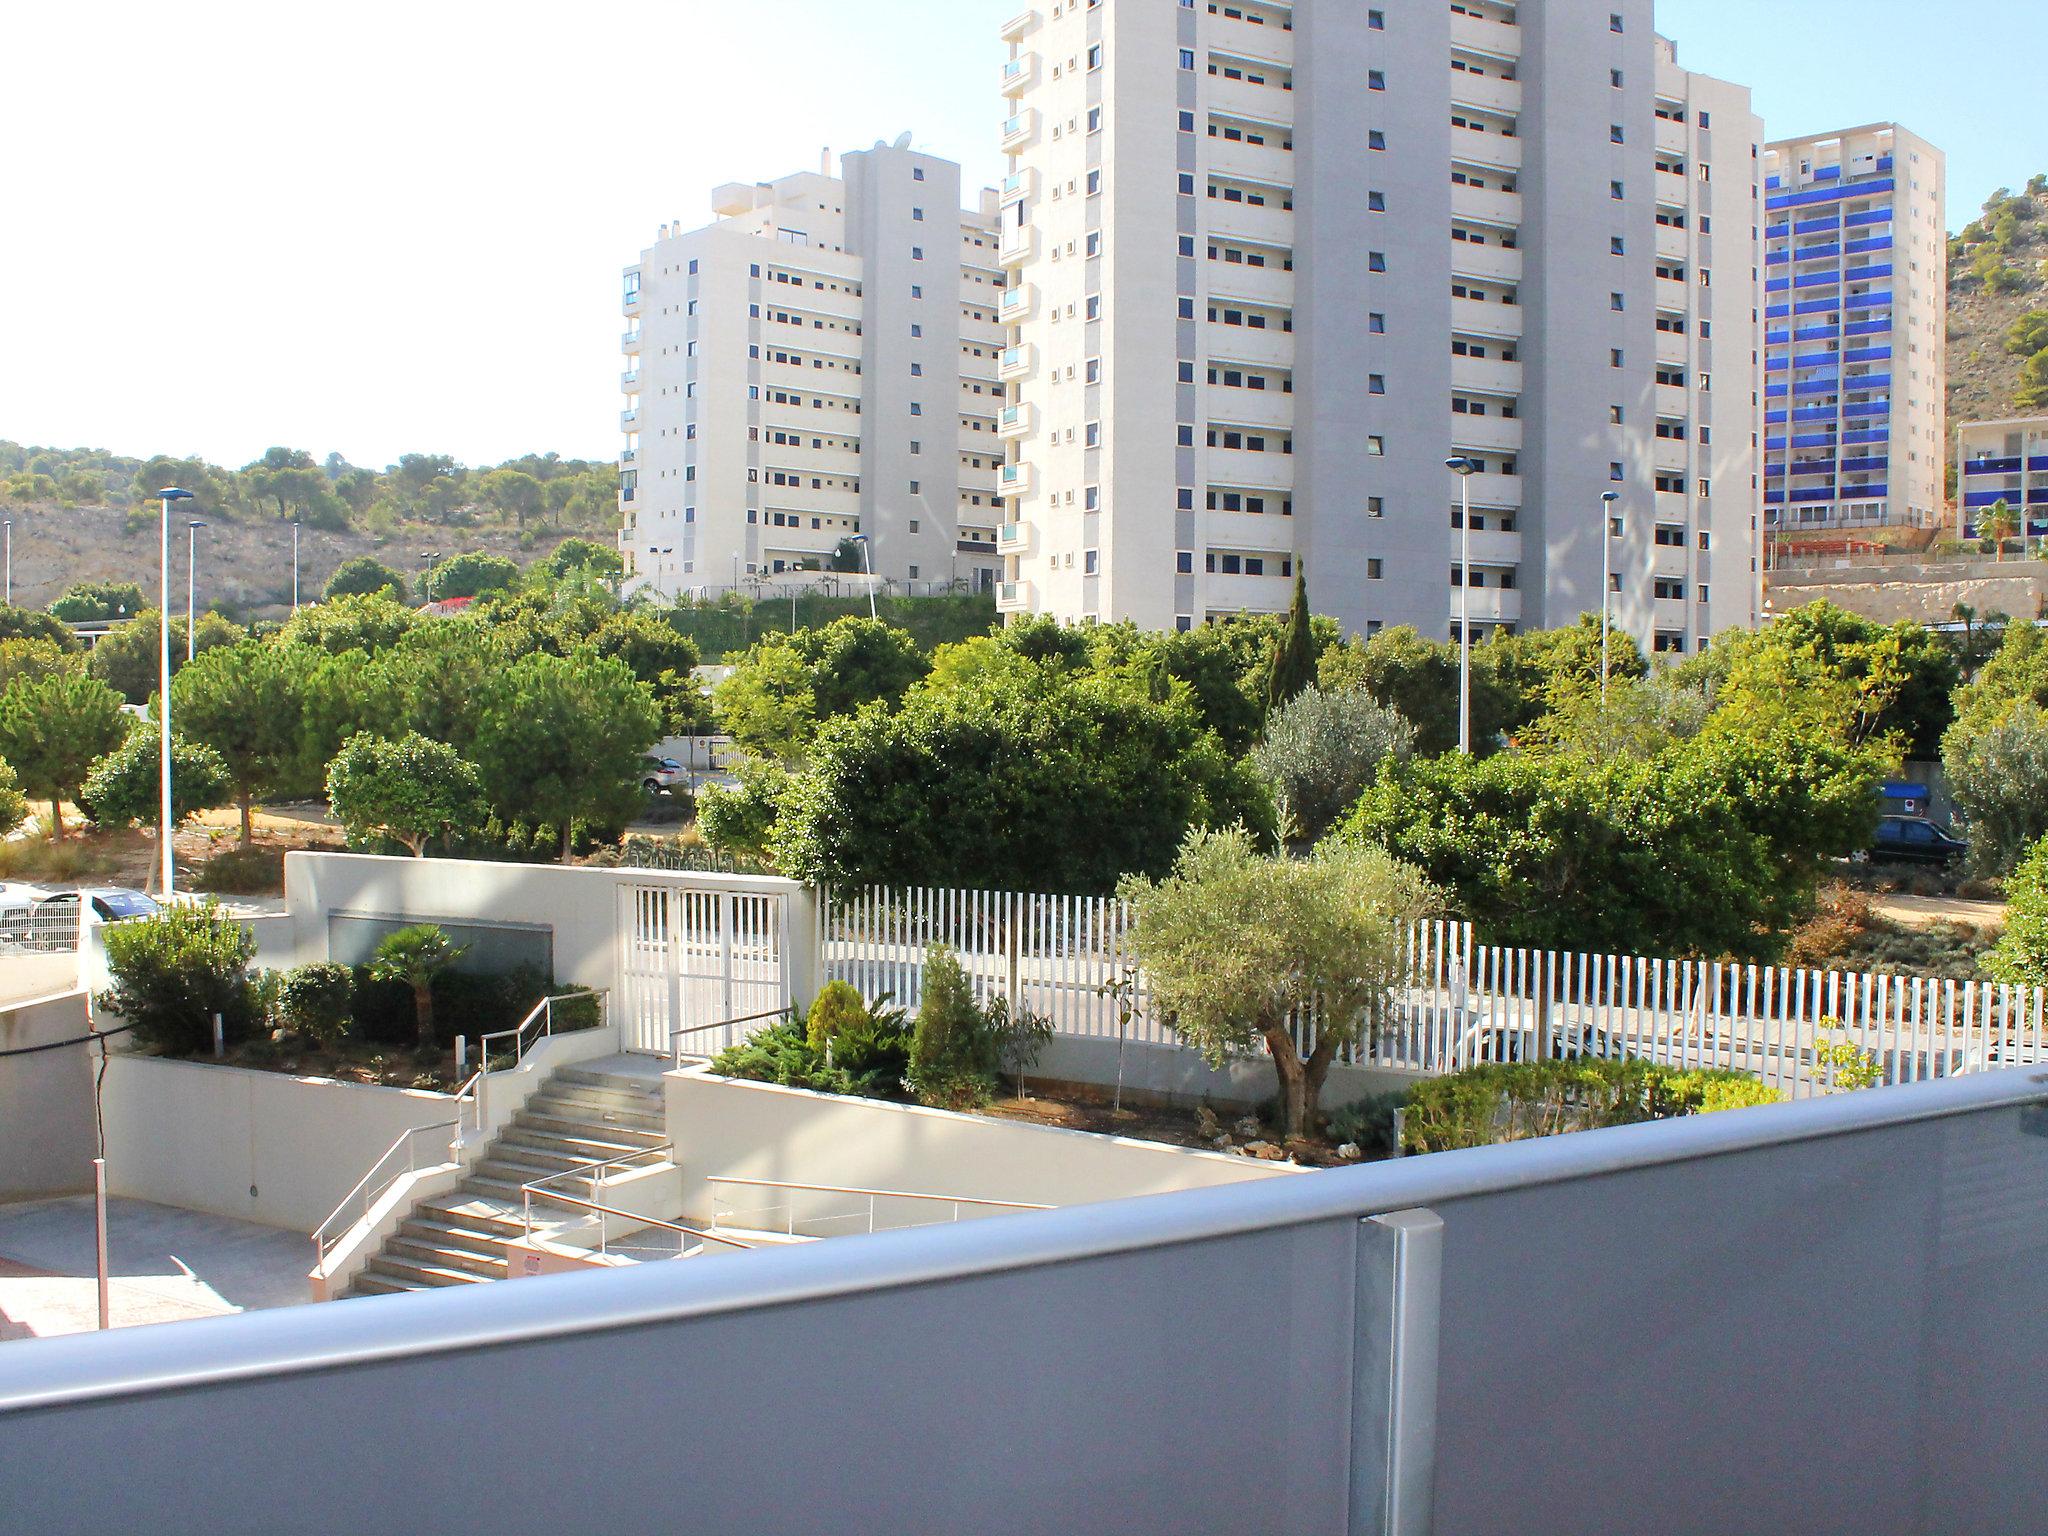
(417, 956)
(2000, 523)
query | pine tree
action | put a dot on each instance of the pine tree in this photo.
(1294, 653)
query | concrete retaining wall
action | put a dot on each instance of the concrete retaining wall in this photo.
(46, 1122)
(263, 1146)
(763, 1131)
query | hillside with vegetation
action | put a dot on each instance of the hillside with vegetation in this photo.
(85, 515)
(1998, 309)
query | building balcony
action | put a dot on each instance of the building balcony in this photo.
(1670, 454)
(1489, 92)
(1016, 362)
(1020, 184)
(1014, 597)
(1489, 263)
(1486, 205)
(628, 457)
(1224, 592)
(1013, 481)
(1015, 538)
(1240, 344)
(1671, 242)
(1019, 74)
(630, 341)
(1486, 375)
(1018, 25)
(1264, 163)
(629, 381)
(1020, 131)
(1015, 421)
(630, 302)
(1268, 225)
(1485, 147)
(1489, 604)
(1670, 137)
(1019, 304)
(1485, 34)
(1674, 400)
(1671, 347)
(1486, 317)
(1268, 471)
(1020, 244)
(1231, 281)
(629, 421)
(1241, 98)
(1486, 434)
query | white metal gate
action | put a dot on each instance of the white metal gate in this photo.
(693, 956)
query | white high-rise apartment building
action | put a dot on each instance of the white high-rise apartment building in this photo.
(818, 363)
(1855, 329)
(1272, 265)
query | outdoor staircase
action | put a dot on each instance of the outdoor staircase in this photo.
(577, 1117)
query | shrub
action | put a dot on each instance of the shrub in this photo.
(317, 1000)
(782, 1053)
(949, 1059)
(836, 1011)
(418, 957)
(1369, 1122)
(2022, 954)
(1496, 1102)
(173, 972)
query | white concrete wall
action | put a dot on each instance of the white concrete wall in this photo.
(579, 906)
(46, 1126)
(263, 1146)
(1179, 1075)
(763, 1131)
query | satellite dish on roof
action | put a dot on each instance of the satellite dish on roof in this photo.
(903, 141)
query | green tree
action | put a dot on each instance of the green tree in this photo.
(435, 681)
(247, 701)
(1203, 659)
(416, 957)
(1321, 751)
(364, 577)
(665, 659)
(288, 480)
(28, 624)
(1025, 777)
(366, 623)
(1294, 653)
(512, 493)
(128, 658)
(411, 790)
(35, 658)
(125, 787)
(13, 803)
(470, 575)
(785, 685)
(1534, 671)
(52, 729)
(1418, 678)
(1997, 769)
(2017, 671)
(2021, 955)
(584, 555)
(560, 740)
(1237, 944)
(95, 602)
(1998, 523)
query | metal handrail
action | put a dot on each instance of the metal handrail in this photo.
(675, 1036)
(724, 1207)
(886, 1194)
(544, 1011)
(604, 1238)
(594, 1170)
(328, 1229)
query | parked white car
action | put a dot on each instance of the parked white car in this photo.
(39, 917)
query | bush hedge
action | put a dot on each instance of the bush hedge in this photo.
(173, 972)
(1496, 1102)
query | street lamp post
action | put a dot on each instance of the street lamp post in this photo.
(295, 567)
(10, 562)
(165, 497)
(1607, 522)
(427, 559)
(1464, 469)
(867, 561)
(191, 584)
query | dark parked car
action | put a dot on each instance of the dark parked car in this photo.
(1916, 839)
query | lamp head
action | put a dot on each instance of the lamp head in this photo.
(196, 523)
(1460, 465)
(173, 493)
(1610, 497)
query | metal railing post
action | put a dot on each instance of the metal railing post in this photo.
(1393, 1441)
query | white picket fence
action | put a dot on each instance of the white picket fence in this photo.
(1462, 1002)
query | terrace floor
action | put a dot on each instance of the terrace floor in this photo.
(166, 1265)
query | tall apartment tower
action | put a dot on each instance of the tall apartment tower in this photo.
(818, 363)
(1855, 329)
(1273, 265)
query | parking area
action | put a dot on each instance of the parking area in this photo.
(166, 1265)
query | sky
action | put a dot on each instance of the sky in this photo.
(386, 228)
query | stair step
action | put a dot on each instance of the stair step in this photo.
(619, 1082)
(591, 1109)
(421, 1271)
(625, 1137)
(476, 1213)
(488, 1242)
(591, 1148)
(367, 1284)
(413, 1250)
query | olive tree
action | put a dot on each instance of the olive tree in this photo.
(1321, 751)
(1998, 774)
(1237, 944)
